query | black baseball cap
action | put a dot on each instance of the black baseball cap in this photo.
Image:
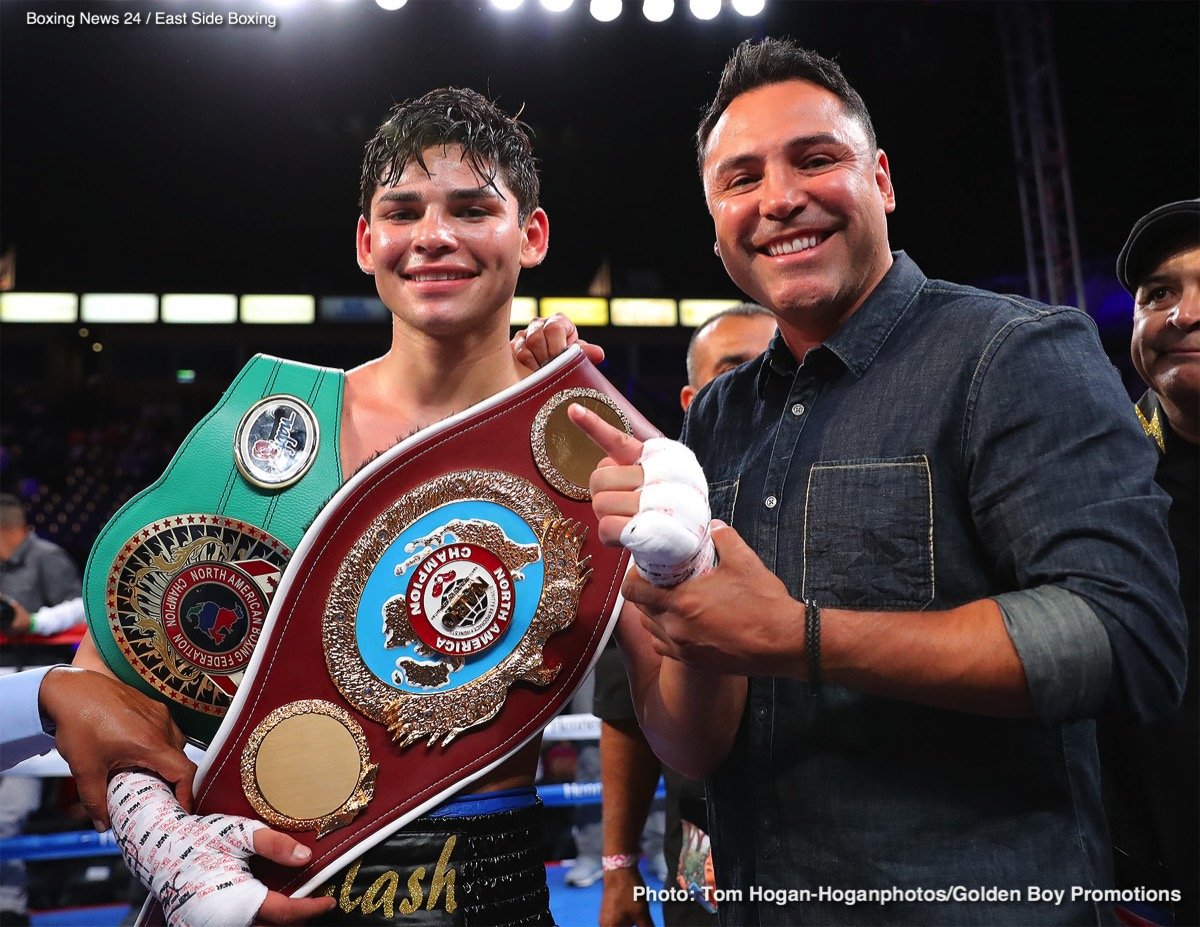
(1150, 234)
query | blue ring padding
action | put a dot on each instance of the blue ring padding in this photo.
(76, 844)
(569, 794)
(486, 803)
(70, 845)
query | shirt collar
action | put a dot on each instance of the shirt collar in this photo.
(857, 342)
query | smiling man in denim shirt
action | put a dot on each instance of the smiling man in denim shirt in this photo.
(947, 556)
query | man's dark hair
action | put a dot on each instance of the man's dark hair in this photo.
(492, 142)
(12, 513)
(773, 61)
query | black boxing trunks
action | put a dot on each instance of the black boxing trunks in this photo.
(475, 860)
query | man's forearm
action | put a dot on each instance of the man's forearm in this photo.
(961, 658)
(629, 772)
(689, 715)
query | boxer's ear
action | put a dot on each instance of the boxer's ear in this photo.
(536, 238)
(363, 241)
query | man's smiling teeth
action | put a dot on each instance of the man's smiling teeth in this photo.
(796, 244)
(430, 278)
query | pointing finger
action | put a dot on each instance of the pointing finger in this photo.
(621, 447)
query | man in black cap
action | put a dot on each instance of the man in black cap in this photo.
(1150, 772)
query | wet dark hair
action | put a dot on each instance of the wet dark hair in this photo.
(773, 61)
(492, 142)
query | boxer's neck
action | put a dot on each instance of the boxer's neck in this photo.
(420, 381)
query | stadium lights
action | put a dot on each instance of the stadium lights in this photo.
(303, 309)
(643, 312)
(557, 6)
(391, 4)
(352, 309)
(584, 310)
(749, 7)
(39, 307)
(605, 10)
(524, 311)
(507, 6)
(118, 307)
(262, 309)
(695, 312)
(214, 308)
(705, 9)
(658, 11)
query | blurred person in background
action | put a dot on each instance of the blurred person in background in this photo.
(40, 593)
(1151, 787)
(38, 579)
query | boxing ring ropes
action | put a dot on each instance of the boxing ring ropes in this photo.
(78, 844)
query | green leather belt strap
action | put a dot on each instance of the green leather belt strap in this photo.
(203, 480)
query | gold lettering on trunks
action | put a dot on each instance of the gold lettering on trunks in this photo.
(382, 892)
(345, 902)
(416, 894)
(387, 884)
(444, 878)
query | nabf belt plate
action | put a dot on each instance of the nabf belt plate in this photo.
(180, 580)
(186, 601)
(443, 607)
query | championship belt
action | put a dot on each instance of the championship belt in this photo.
(443, 607)
(180, 580)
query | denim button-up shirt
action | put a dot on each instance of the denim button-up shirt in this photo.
(945, 445)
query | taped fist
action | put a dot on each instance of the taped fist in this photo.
(196, 865)
(669, 537)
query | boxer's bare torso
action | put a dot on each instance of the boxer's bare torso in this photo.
(378, 411)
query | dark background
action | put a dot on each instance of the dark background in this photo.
(225, 159)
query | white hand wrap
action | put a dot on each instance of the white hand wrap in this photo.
(194, 865)
(669, 537)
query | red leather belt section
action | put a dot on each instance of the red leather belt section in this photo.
(290, 664)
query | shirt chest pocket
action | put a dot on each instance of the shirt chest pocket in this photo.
(722, 497)
(868, 533)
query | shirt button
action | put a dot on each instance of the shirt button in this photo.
(761, 712)
(798, 409)
(770, 502)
